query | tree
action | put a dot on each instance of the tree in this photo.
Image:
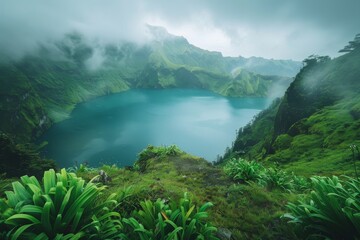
(314, 59)
(352, 44)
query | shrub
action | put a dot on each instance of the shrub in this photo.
(332, 210)
(242, 170)
(300, 184)
(81, 169)
(158, 220)
(153, 152)
(276, 178)
(63, 207)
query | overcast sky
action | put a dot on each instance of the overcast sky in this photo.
(280, 29)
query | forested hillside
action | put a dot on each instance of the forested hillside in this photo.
(311, 128)
(44, 86)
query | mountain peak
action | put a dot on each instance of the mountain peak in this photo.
(159, 33)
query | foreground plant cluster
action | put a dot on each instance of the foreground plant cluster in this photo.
(243, 171)
(64, 205)
(329, 209)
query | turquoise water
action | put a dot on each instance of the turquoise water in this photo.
(113, 129)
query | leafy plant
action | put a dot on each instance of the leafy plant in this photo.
(158, 220)
(81, 169)
(153, 152)
(276, 178)
(242, 170)
(332, 210)
(245, 171)
(300, 184)
(62, 207)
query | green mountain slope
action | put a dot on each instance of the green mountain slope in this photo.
(177, 50)
(310, 130)
(45, 86)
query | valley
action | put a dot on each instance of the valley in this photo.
(116, 123)
(46, 86)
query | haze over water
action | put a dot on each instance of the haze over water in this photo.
(113, 129)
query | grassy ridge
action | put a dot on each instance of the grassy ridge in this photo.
(310, 130)
(247, 211)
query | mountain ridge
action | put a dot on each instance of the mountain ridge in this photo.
(310, 129)
(43, 88)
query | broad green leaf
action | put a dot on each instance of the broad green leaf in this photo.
(34, 188)
(173, 234)
(108, 215)
(12, 198)
(31, 209)
(204, 207)
(76, 220)
(59, 195)
(20, 191)
(189, 212)
(82, 201)
(41, 236)
(17, 218)
(65, 201)
(49, 180)
(45, 219)
(189, 229)
(30, 180)
(20, 230)
(58, 225)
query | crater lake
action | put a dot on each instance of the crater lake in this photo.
(113, 129)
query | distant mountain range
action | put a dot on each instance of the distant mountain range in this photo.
(43, 87)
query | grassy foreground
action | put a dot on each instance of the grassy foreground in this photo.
(169, 194)
(239, 210)
(247, 211)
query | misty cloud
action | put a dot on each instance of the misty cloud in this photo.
(272, 29)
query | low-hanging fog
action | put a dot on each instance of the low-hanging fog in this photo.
(277, 29)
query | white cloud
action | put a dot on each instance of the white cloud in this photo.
(272, 29)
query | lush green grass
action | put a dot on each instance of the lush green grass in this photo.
(248, 211)
(241, 170)
(323, 147)
(245, 210)
(309, 131)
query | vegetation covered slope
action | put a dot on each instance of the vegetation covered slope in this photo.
(311, 128)
(160, 176)
(175, 50)
(20, 159)
(44, 86)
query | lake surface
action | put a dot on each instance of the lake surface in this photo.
(113, 129)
